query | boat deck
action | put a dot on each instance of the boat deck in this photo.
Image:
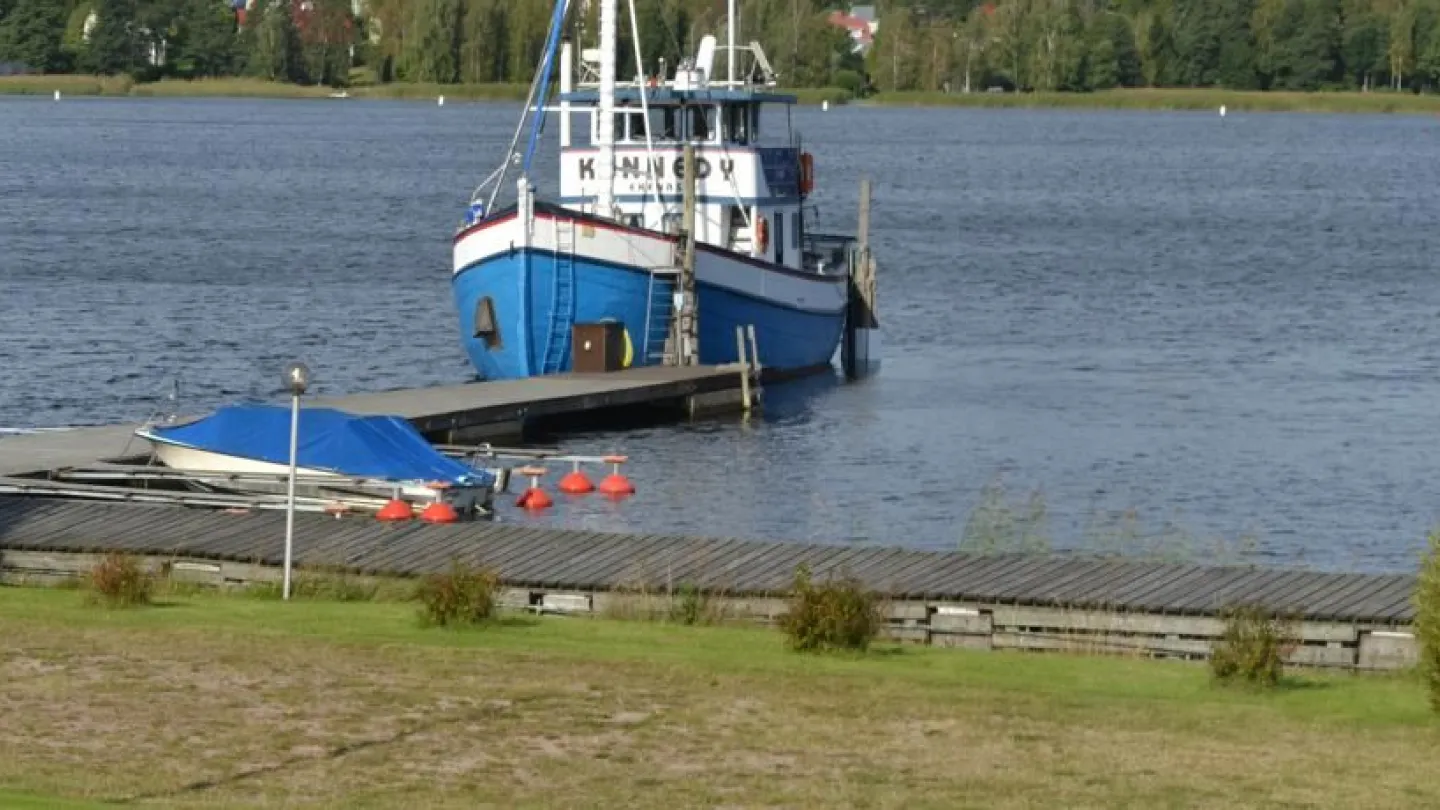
(452, 413)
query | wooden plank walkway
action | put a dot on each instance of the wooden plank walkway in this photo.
(592, 562)
(454, 408)
(453, 413)
(34, 452)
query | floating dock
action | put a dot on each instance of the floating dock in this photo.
(451, 414)
(1348, 621)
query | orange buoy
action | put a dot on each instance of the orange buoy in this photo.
(395, 509)
(616, 485)
(439, 512)
(576, 482)
(534, 497)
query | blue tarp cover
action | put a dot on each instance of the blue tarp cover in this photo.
(385, 447)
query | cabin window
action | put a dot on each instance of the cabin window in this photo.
(736, 221)
(629, 125)
(672, 222)
(486, 328)
(795, 230)
(737, 124)
(702, 123)
(633, 220)
(779, 220)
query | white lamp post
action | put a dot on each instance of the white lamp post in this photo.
(297, 379)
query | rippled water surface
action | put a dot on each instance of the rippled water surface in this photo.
(1233, 325)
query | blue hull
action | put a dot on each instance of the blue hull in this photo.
(532, 338)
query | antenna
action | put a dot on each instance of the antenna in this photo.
(730, 41)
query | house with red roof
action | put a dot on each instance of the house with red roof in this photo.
(861, 23)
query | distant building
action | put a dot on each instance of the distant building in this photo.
(860, 22)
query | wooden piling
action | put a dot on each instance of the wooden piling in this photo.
(688, 327)
(745, 369)
(860, 316)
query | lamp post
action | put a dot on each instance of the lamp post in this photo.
(297, 379)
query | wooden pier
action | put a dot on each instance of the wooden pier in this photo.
(451, 414)
(1349, 621)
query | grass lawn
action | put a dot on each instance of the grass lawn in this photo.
(236, 701)
(29, 801)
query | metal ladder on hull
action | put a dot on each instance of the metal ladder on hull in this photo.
(562, 298)
(659, 312)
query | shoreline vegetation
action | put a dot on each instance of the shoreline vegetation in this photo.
(320, 701)
(1195, 99)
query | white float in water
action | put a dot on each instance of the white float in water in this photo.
(824, 105)
(1222, 110)
(57, 95)
(440, 101)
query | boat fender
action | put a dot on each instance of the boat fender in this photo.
(762, 234)
(807, 172)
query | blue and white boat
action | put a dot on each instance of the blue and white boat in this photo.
(608, 247)
(339, 455)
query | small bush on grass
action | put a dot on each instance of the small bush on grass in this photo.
(120, 580)
(1252, 651)
(689, 605)
(1427, 620)
(464, 596)
(833, 615)
(692, 605)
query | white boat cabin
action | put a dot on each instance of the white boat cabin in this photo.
(750, 183)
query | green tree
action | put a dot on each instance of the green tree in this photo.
(31, 33)
(1156, 43)
(1114, 60)
(431, 52)
(117, 43)
(482, 42)
(275, 44)
(1363, 40)
(326, 36)
(205, 42)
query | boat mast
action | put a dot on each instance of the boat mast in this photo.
(730, 35)
(605, 171)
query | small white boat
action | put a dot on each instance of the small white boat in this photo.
(245, 448)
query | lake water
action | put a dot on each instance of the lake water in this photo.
(1228, 324)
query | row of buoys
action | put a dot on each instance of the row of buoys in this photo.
(437, 511)
(576, 482)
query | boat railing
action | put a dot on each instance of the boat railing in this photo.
(828, 250)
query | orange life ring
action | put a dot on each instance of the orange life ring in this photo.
(762, 234)
(807, 172)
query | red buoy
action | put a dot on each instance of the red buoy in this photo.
(534, 497)
(395, 509)
(616, 485)
(439, 512)
(576, 482)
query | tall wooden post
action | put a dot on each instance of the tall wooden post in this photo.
(861, 323)
(688, 344)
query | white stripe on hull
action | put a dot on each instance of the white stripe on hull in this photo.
(193, 459)
(638, 249)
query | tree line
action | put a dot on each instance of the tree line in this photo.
(1096, 44)
(921, 45)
